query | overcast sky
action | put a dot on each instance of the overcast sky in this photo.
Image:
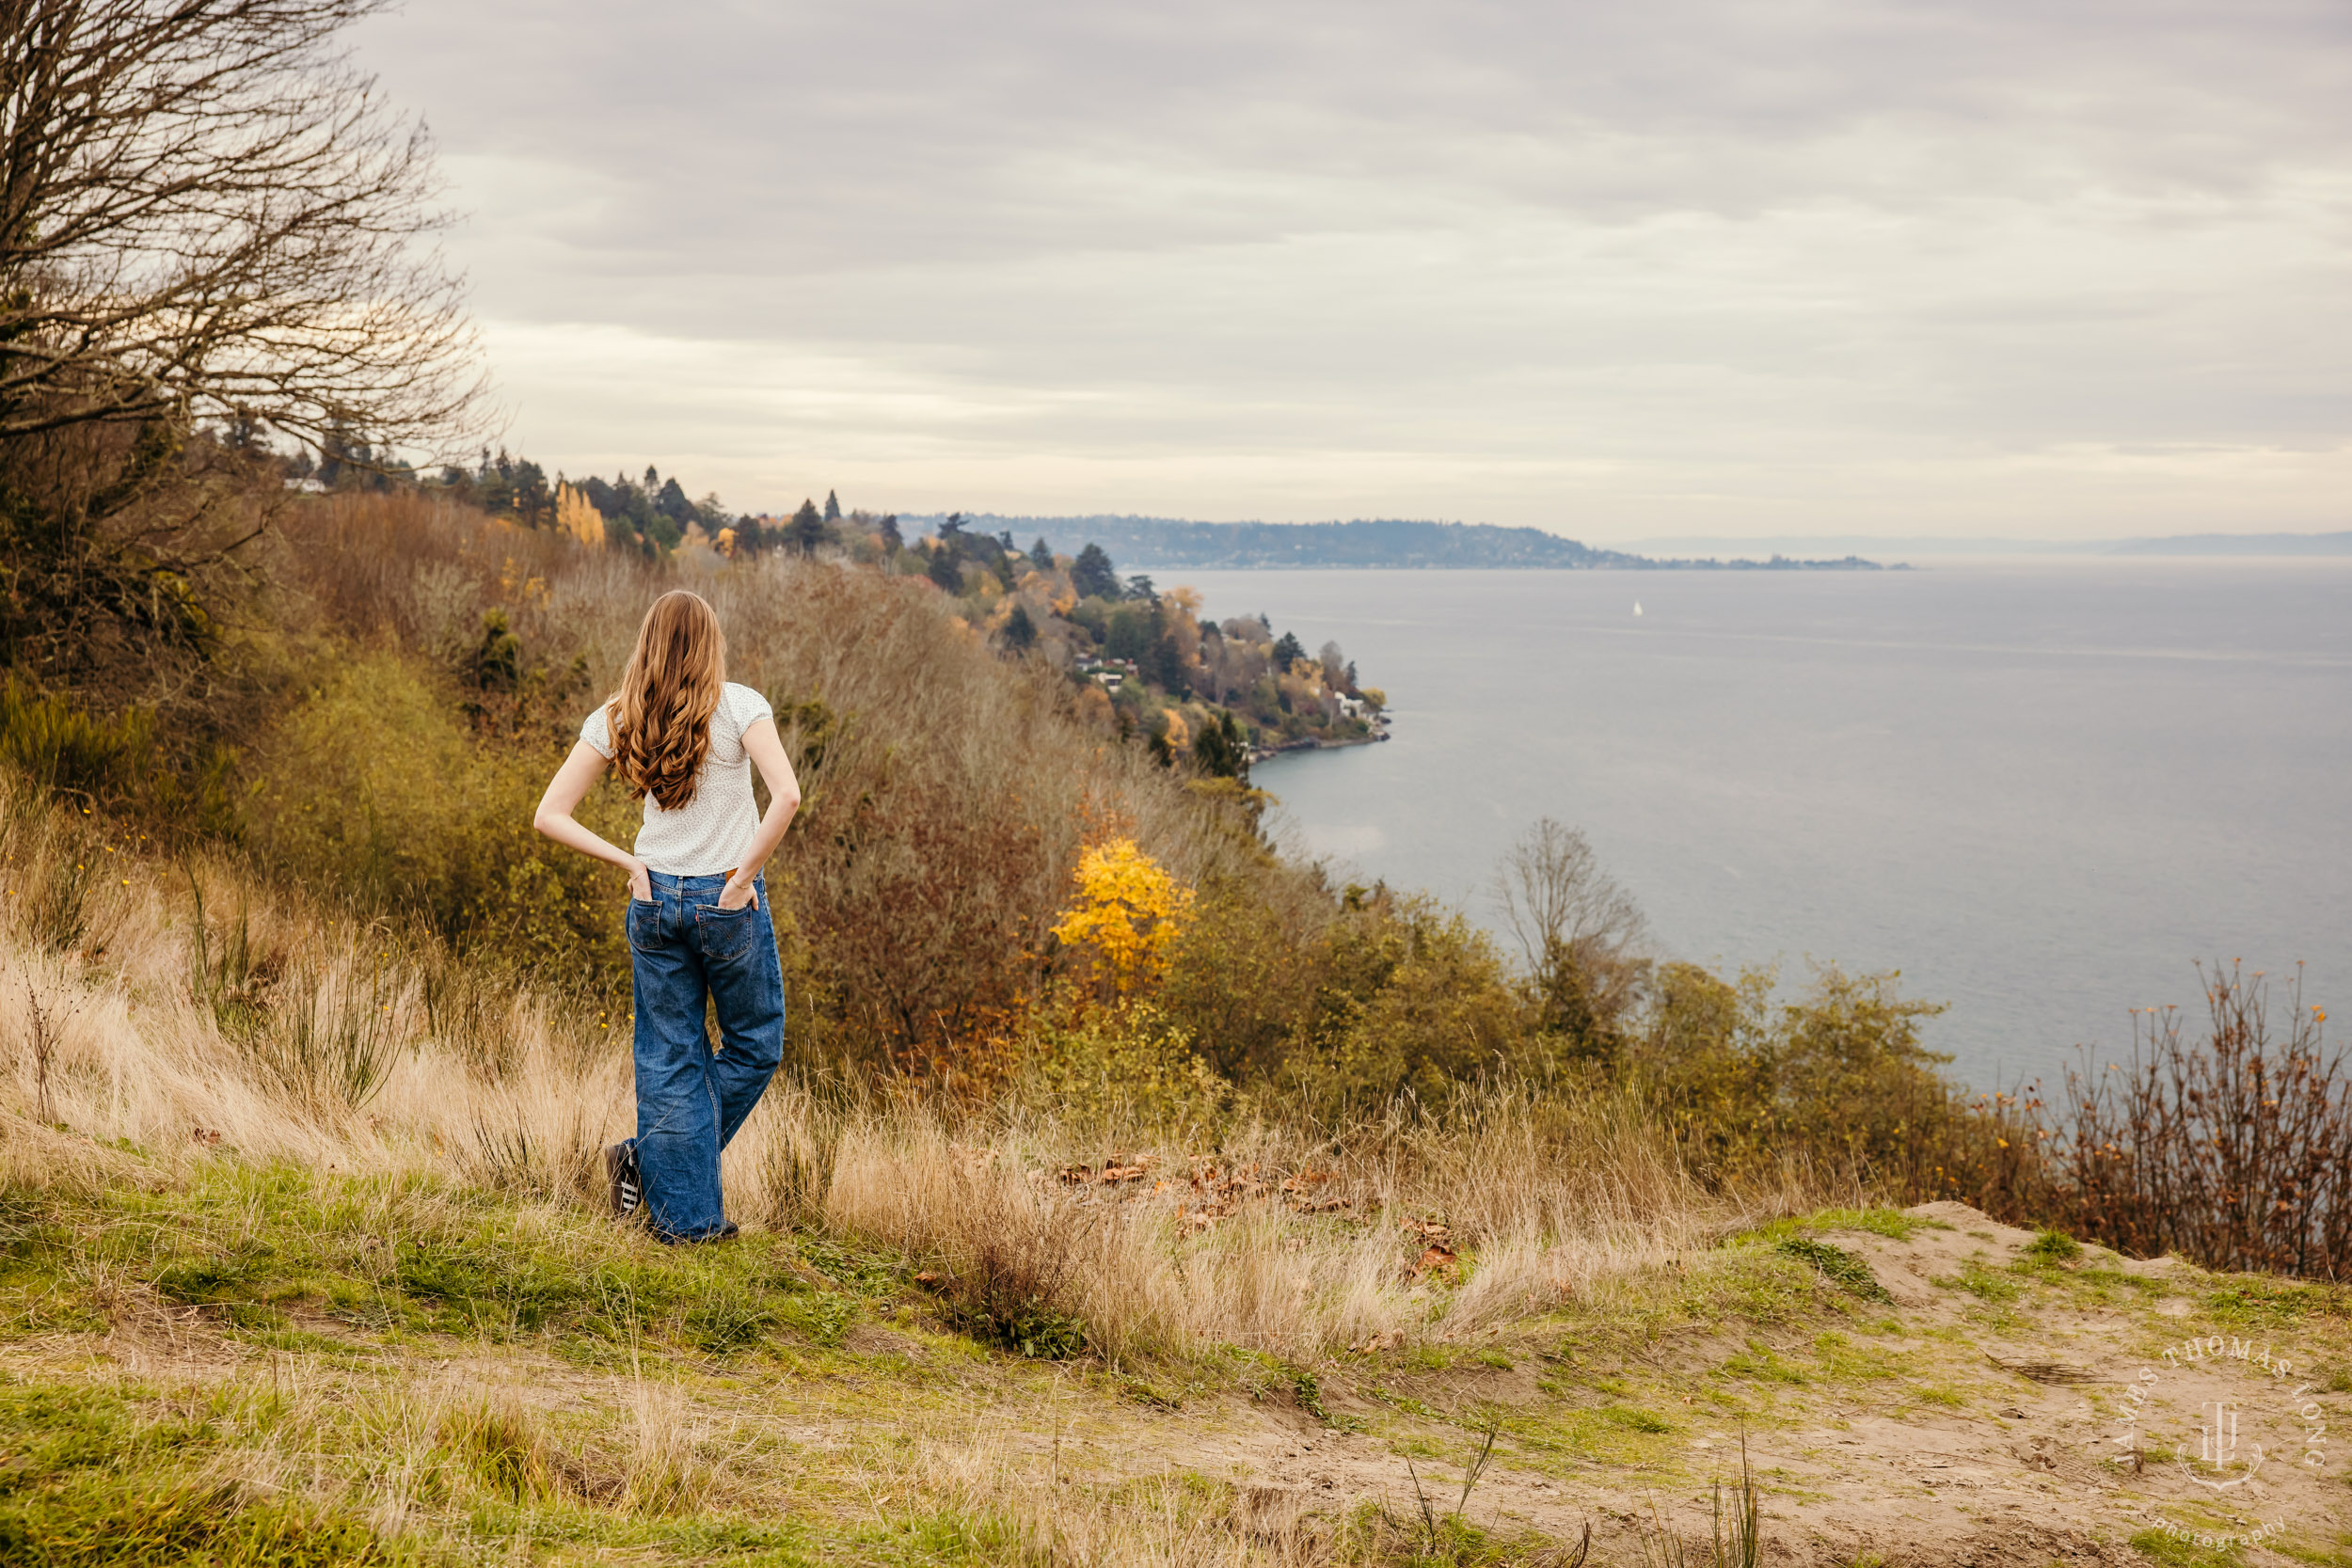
(2006, 267)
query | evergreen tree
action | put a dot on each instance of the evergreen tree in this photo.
(1219, 751)
(1092, 575)
(832, 507)
(1166, 668)
(1288, 652)
(532, 498)
(1041, 557)
(1139, 587)
(1020, 631)
(946, 566)
(492, 485)
(672, 503)
(807, 531)
(892, 539)
(496, 662)
(1128, 634)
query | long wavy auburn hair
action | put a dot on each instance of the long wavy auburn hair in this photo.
(661, 717)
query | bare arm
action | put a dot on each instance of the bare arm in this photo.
(570, 786)
(784, 798)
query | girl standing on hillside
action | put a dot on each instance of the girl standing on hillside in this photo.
(699, 923)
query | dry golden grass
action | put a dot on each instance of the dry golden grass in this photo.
(1556, 1206)
(371, 1059)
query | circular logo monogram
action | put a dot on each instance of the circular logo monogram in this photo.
(2219, 1413)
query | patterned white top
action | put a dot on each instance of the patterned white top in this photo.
(708, 834)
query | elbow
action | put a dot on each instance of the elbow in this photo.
(542, 822)
(790, 800)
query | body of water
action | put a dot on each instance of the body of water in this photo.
(2040, 790)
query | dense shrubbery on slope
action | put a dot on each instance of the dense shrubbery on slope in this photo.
(376, 722)
(390, 705)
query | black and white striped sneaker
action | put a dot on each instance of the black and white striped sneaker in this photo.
(620, 1172)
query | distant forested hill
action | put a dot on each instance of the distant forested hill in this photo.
(1161, 543)
(1168, 542)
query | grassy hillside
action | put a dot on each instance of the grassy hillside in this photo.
(1307, 1228)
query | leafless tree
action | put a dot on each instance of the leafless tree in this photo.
(209, 223)
(205, 212)
(1580, 929)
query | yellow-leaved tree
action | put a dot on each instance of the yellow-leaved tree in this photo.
(577, 515)
(1128, 912)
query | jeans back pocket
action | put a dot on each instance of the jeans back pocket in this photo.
(726, 935)
(642, 925)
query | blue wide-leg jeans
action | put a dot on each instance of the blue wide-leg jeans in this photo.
(691, 1098)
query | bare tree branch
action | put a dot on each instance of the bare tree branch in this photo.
(206, 213)
(1580, 929)
(1556, 898)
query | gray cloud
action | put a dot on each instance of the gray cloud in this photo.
(1720, 268)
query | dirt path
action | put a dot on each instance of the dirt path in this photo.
(1978, 1419)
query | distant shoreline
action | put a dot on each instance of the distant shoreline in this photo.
(1169, 544)
(1315, 743)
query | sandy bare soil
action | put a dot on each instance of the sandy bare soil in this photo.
(2029, 1462)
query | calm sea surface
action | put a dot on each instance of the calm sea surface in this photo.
(2040, 790)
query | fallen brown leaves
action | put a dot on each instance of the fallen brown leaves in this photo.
(1211, 1191)
(1116, 1169)
(1437, 1256)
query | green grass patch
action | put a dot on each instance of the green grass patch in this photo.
(1893, 1224)
(103, 1523)
(1611, 1433)
(1633, 1420)
(1762, 1364)
(2054, 1246)
(954, 1536)
(2164, 1546)
(1750, 1287)
(2100, 1282)
(1841, 1362)
(1984, 1284)
(90, 1481)
(414, 1255)
(2257, 1300)
(1269, 1377)
(1405, 1403)
(1841, 1268)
